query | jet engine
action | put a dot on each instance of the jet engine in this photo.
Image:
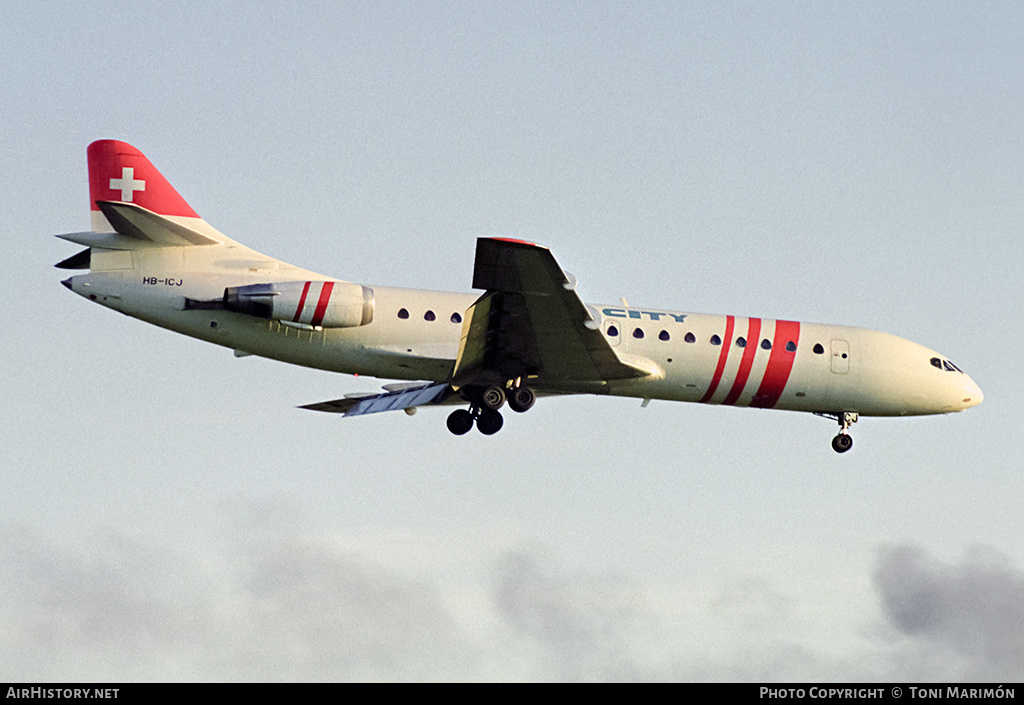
(317, 304)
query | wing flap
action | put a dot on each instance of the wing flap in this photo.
(422, 395)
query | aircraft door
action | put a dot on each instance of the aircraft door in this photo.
(840, 357)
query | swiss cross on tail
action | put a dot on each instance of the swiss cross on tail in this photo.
(127, 184)
(119, 172)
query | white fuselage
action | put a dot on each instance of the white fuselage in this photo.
(415, 335)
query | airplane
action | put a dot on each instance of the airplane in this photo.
(527, 335)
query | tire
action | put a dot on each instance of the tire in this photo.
(490, 422)
(521, 399)
(460, 421)
(842, 443)
(492, 398)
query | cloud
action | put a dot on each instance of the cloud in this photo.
(282, 607)
(961, 620)
(577, 626)
(275, 603)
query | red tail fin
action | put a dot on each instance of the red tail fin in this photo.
(119, 172)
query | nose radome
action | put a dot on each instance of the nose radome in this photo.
(972, 393)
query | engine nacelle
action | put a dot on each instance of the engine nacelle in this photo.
(318, 304)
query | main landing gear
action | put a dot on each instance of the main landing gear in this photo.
(484, 405)
(843, 441)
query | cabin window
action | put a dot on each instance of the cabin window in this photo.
(429, 316)
(403, 313)
(818, 349)
(690, 338)
(613, 331)
(766, 344)
(715, 340)
(791, 346)
(663, 335)
(456, 318)
(637, 333)
(741, 342)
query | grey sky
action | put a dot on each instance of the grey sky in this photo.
(169, 514)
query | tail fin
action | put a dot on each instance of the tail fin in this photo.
(119, 172)
(133, 206)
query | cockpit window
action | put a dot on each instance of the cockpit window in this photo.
(941, 364)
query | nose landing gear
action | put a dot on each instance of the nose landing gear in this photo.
(843, 441)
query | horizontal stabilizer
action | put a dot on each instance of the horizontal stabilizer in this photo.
(80, 261)
(107, 241)
(421, 395)
(142, 225)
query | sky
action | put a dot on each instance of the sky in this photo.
(168, 513)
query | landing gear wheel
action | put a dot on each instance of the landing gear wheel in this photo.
(490, 422)
(521, 399)
(460, 421)
(492, 398)
(842, 443)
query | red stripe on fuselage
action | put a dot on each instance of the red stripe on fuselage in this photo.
(747, 362)
(730, 321)
(321, 305)
(780, 365)
(302, 302)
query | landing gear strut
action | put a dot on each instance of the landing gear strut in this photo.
(844, 441)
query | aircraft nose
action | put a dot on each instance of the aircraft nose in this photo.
(972, 393)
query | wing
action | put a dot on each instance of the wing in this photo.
(531, 323)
